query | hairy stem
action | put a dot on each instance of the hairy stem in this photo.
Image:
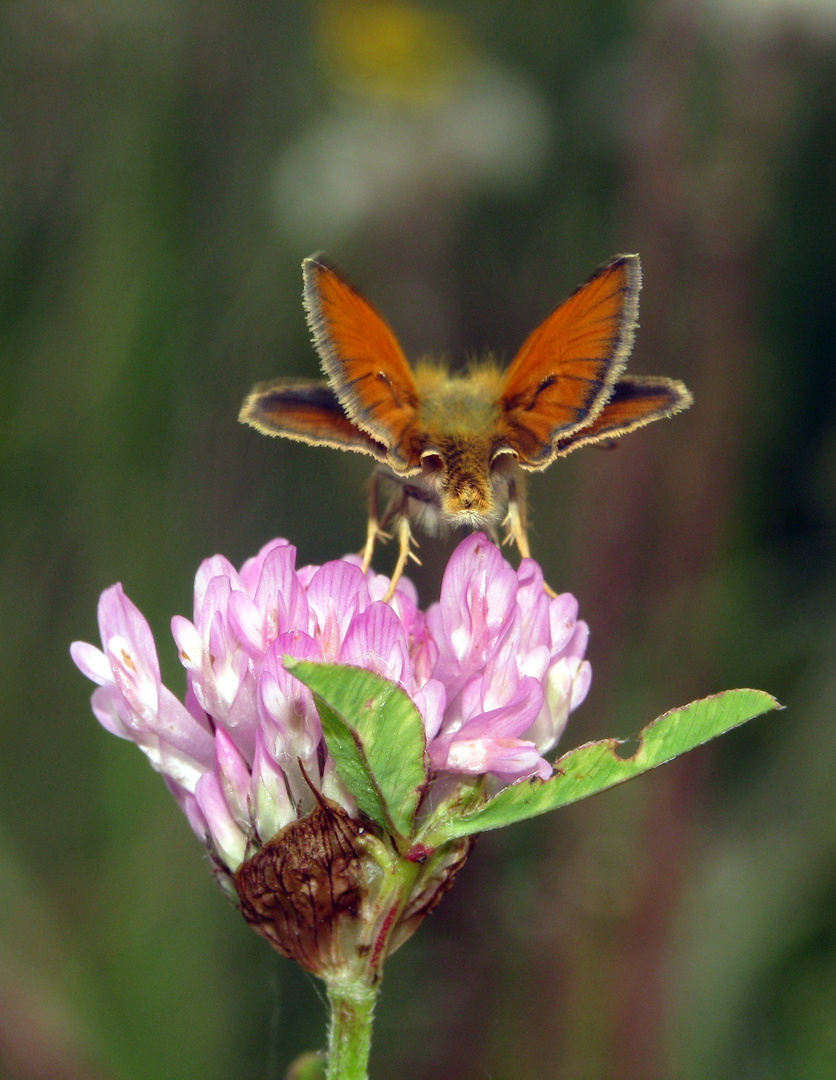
(350, 1031)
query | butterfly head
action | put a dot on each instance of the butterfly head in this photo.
(467, 480)
(457, 419)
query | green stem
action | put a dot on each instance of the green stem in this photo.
(350, 1031)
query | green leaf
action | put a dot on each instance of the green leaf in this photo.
(376, 737)
(596, 766)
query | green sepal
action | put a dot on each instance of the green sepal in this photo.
(597, 766)
(375, 736)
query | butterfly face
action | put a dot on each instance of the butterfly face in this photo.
(463, 472)
(453, 448)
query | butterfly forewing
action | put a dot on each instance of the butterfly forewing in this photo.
(309, 412)
(363, 361)
(636, 400)
(565, 371)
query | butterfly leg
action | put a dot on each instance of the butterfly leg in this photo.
(374, 527)
(405, 543)
(517, 527)
(515, 524)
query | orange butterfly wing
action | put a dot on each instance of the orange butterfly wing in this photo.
(565, 371)
(364, 363)
(307, 411)
(636, 400)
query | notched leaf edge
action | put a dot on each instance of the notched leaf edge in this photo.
(607, 749)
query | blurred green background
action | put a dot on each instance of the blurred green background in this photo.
(164, 167)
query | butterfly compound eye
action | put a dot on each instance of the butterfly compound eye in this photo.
(503, 460)
(432, 461)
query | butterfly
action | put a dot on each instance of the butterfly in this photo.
(453, 447)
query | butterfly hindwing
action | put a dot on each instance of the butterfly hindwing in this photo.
(363, 361)
(309, 412)
(563, 375)
(636, 400)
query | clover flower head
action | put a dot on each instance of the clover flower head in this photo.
(494, 669)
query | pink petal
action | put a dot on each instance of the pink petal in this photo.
(174, 742)
(405, 599)
(376, 641)
(337, 593)
(478, 595)
(533, 607)
(224, 661)
(280, 595)
(273, 806)
(511, 758)
(580, 684)
(122, 619)
(512, 718)
(210, 569)
(576, 646)
(189, 643)
(567, 684)
(113, 712)
(306, 574)
(252, 569)
(92, 662)
(241, 718)
(290, 723)
(563, 615)
(431, 701)
(248, 623)
(130, 651)
(535, 662)
(500, 679)
(184, 733)
(423, 649)
(193, 706)
(232, 771)
(228, 838)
